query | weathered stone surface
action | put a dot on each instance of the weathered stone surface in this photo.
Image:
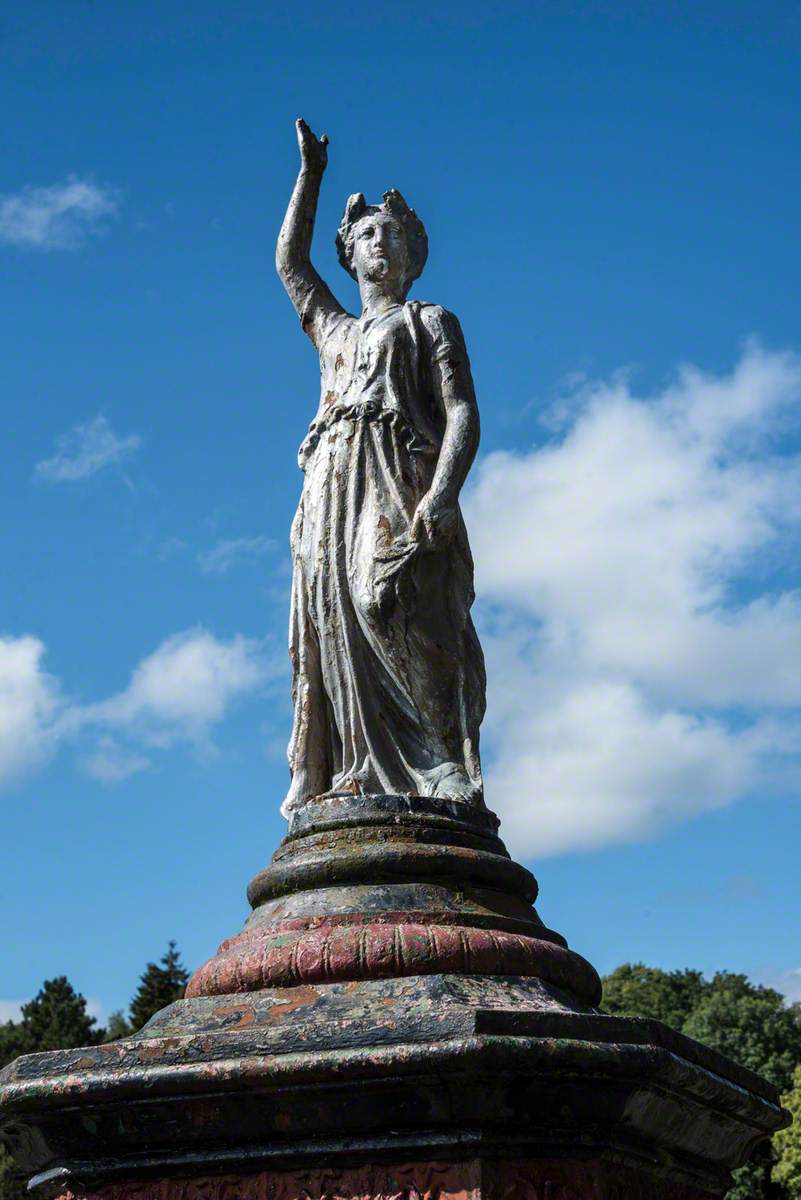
(283, 957)
(430, 1069)
(369, 887)
(475, 1179)
(388, 674)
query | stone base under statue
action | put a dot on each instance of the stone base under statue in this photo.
(464, 1086)
(394, 1021)
(472, 1179)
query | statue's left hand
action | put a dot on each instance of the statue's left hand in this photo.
(313, 150)
(434, 521)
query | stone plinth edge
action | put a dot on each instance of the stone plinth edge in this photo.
(473, 1179)
(421, 1070)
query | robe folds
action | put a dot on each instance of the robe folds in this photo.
(388, 673)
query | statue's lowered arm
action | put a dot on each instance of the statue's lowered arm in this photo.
(437, 512)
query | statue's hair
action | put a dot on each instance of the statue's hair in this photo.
(394, 206)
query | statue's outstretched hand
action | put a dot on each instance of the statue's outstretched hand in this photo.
(313, 150)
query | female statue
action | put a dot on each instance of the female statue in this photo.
(388, 674)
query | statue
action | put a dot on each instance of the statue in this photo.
(388, 674)
(394, 1020)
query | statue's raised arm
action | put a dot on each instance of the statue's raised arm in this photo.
(310, 295)
(388, 675)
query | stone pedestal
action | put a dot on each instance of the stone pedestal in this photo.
(394, 1021)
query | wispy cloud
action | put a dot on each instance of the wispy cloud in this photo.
(171, 547)
(233, 552)
(109, 762)
(60, 217)
(634, 682)
(85, 450)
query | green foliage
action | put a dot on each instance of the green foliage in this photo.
(749, 1023)
(12, 1185)
(158, 987)
(635, 990)
(12, 1042)
(116, 1027)
(787, 1143)
(55, 1019)
(755, 1181)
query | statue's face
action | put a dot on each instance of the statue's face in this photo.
(379, 250)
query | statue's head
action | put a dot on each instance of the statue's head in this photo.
(382, 242)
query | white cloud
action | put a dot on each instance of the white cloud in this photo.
(97, 1009)
(643, 652)
(176, 694)
(85, 450)
(60, 217)
(182, 689)
(233, 552)
(790, 984)
(29, 702)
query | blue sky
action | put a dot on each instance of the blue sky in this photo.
(611, 192)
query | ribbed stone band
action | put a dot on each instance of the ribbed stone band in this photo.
(331, 953)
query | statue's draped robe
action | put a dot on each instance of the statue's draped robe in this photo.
(389, 682)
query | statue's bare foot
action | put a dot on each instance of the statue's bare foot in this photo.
(355, 780)
(451, 782)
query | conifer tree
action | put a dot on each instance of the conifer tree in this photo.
(116, 1027)
(158, 987)
(56, 1019)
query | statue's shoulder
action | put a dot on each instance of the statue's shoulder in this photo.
(437, 323)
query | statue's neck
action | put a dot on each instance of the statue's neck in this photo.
(377, 298)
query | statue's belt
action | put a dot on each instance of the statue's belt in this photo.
(364, 410)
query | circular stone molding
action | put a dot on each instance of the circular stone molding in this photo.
(282, 958)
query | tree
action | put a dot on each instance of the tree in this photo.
(749, 1023)
(116, 1027)
(158, 987)
(787, 1143)
(754, 1026)
(12, 1042)
(12, 1184)
(635, 990)
(56, 1019)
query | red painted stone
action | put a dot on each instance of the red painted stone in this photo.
(285, 956)
(477, 1179)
